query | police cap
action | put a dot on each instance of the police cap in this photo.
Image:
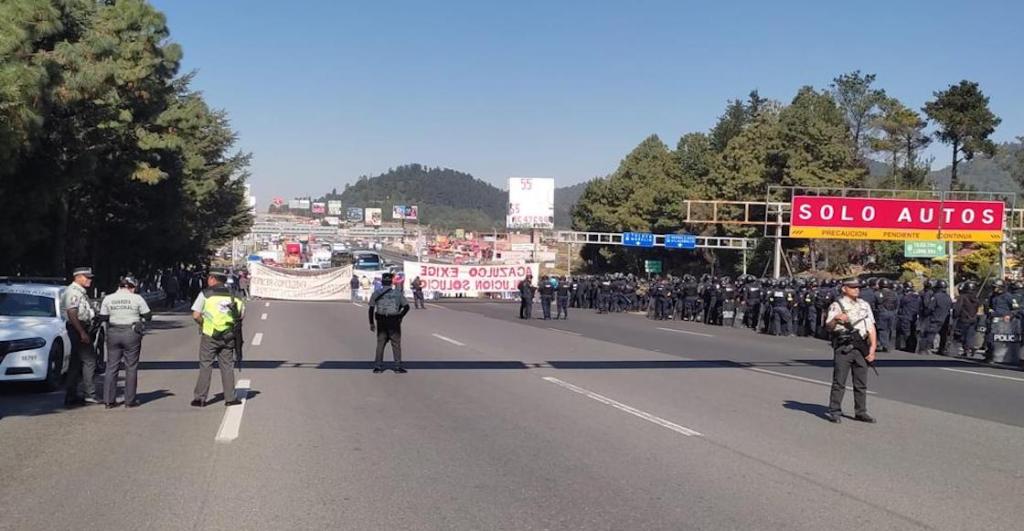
(84, 271)
(219, 274)
(128, 282)
(387, 278)
(851, 283)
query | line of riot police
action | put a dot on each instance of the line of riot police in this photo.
(925, 321)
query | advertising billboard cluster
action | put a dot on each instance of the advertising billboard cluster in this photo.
(410, 212)
(374, 217)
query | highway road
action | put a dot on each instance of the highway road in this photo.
(598, 422)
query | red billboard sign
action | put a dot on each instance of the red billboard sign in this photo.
(861, 218)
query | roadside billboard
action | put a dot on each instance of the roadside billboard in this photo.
(354, 214)
(405, 212)
(862, 218)
(373, 216)
(531, 203)
(334, 208)
(319, 208)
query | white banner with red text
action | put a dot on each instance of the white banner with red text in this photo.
(300, 285)
(468, 280)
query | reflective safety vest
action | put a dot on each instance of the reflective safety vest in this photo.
(218, 314)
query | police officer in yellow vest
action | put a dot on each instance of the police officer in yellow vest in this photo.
(217, 311)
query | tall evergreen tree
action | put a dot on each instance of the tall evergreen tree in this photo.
(965, 122)
(815, 143)
(859, 103)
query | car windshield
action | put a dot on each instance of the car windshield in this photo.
(25, 305)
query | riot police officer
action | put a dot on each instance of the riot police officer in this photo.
(966, 315)
(888, 307)
(751, 302)
(907, 317)
(124, 312)
(562, 294)
(1000, 309)
(219, 314)
(935, 314)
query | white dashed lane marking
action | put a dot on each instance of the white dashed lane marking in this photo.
(623, 407)
(801, 378)
(1000, 376)
(232, 421)
(263, 317)
(449, 340)
(685, 332)
(257, 338)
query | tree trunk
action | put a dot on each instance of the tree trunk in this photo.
(952, 175)
(58, 265)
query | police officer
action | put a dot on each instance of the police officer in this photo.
(124, 312)
(1000, 308)
(78, 315)
(906, 318)
(888, 307)
(934, 314)
(387, 308)
(966, 315)
(751, 302)
(526, 297)
(562, 295)
(417, 293)
(547, 292)
(219, 313)
(853, 343)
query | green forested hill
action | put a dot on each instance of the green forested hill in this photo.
(447, 198)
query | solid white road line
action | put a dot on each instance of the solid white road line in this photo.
(432, 305)
(802, 379)
(232, 420)
(257, 338)
(623, 407)
(565, 331)
(263, 317)
(448, 339)
(685, 332)
(1000, 376)
(359, 305)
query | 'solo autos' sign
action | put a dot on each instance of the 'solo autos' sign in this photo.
(861, 218)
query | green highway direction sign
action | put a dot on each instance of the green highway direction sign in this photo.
(924, 249)
(652, 266)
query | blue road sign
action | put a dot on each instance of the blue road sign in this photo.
(680, 241)
(637, 239)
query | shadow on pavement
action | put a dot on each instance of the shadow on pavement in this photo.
(152, 396)
(166, 325)
(817, 410)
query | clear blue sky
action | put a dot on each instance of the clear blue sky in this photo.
(324, 91)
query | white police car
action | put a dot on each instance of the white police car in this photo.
(34, 344)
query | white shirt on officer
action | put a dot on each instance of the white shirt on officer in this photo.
(859, 312)
(124, 307)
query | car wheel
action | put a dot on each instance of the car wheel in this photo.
(54, 364)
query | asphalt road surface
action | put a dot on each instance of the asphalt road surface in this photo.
(599, 422)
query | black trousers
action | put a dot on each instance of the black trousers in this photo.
(525, 308)
(545, 306)
(388, 333)
(563, 305)
(846, 362)
(417, 299)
